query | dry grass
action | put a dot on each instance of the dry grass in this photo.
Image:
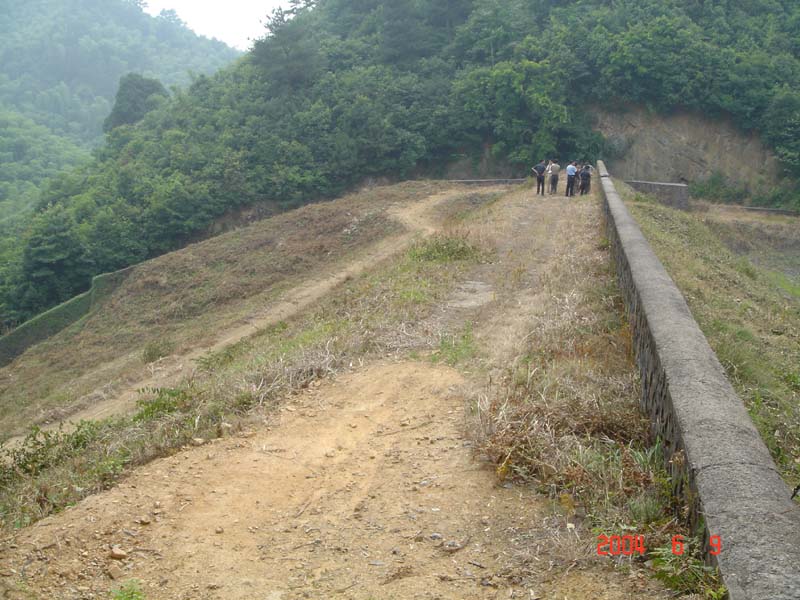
(369, 317)
(741, 279)
(564, 416)
(183, 298)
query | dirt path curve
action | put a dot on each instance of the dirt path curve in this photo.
(365, 488)
(419, 220)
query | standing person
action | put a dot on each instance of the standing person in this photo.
(571, 171)
(555, 169)
(540, 170)
(589, 181)
(586, 179)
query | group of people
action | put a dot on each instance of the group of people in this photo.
(550, 172)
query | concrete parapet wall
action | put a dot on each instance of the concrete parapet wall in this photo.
(675, 195)
(715, 454)
(60, 317)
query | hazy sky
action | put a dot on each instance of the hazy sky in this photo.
(232, 21)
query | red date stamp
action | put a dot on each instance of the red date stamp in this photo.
(628, 545)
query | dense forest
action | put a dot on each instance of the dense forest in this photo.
(341, 90)
(60, 65)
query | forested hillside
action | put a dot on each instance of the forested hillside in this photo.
(60, 65)
(339, 90)
(61, 60)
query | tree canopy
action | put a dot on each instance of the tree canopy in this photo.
(136, 97)
(340, 90)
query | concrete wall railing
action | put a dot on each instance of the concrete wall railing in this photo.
(675, 195)
(716, 457)
(60, 317)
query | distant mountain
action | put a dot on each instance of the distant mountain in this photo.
(61, 60)
(60, 64)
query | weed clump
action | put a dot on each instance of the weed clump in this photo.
(685, 572)
(445, 248)
(130, 590)
(156, 350)
(454, 349)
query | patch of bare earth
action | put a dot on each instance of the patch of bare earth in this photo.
(369, 486)
(219, 299)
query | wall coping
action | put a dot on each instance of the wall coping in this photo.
(487, 181)
(731, 481)
(660, 183)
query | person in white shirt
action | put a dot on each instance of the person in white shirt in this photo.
(572, 169)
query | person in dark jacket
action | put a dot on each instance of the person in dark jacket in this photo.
(586, 179)
(539, 170)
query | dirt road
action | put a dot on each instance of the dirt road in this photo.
(366, 487)
(362, 488)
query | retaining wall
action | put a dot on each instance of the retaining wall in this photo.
(488, 181)
(54, 320)
(715, 455)
(769, 211)
(675, 195)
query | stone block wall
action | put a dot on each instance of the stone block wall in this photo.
(714, 452)
(675, 195)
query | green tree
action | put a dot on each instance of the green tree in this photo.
(54, 264)
(136, 97)
(783, 127)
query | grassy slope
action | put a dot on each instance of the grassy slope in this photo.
(740, 278)
(183, 298)
(568, 400)
(378, 312)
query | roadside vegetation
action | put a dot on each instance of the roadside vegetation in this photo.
(565, 418)
(720, 188)
(196, 295)
(371, 316)
(740, 275)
